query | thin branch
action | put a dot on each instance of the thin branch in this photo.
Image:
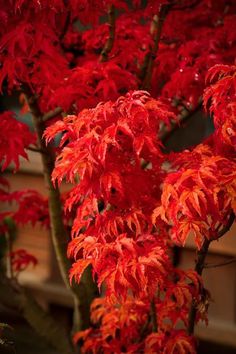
(226, 227)
(111, 38)
(200, 265)
(201, 256)
(85, 290)
(52, 114)
(8, 259)
(35, 149)
(232, 260)
(153, 316)
(185, 7)
(156, 28)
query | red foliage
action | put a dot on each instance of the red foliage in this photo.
(32, 208)
(199, 196)
(15, 137)
(221, 94)
(21, 259)
(130, 201)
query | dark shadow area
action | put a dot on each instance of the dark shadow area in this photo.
(213, 348)
(22, 339)
(190, 133)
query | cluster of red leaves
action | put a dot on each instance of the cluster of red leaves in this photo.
(210, 41)
(25, 206)
(221, 95)
(129, 30)
(31, 54)
(32, 208)
(176, 342)
(114, 152)
(127, 327)
(120, 327)
(21, 259)
(14, 138)
(105, 147)
(199, 196)
(87, 85)
(34, 54)
(22, 207)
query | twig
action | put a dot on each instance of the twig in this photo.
(9, 251)
(110, 41)
(186, 7)
(201, 256)
(226, 227)
(31, 148)
(153, 316)
(200, 265)
(232, 260)
(52, 114)
(156, 28)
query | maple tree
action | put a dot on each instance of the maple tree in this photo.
(112, 81)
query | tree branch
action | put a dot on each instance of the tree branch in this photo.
(153, 316)
(52, 114)
(85, 290)
(226, 227)
(201, 256)
(232, 260)
(8, 256)
(200, 265)
(35, 149)
(156, 28)
(59, 235)
(188, 6)
(110, 41)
